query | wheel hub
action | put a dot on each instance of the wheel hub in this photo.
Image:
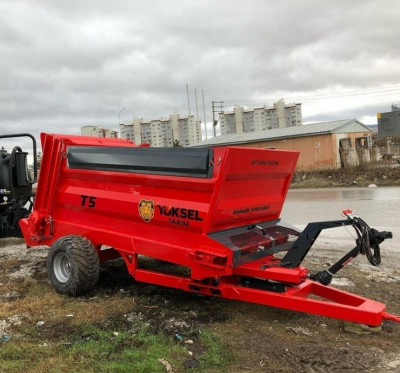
(62, 267)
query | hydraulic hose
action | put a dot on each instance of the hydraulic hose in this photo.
(368, 241)
(10, 169)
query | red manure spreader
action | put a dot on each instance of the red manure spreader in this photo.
(215, 211)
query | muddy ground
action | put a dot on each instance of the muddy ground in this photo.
(255, 338)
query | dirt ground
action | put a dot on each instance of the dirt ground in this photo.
(381, 173)
(259, 338)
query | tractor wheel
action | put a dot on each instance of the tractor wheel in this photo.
(73, 265)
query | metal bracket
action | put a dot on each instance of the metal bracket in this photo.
(304, 242)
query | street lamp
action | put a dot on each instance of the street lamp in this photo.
(118, 114)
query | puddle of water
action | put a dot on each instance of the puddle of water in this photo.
(379, 207)
(339, 194)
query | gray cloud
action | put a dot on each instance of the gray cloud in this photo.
(64, 65)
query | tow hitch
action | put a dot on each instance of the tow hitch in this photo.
(367, 243)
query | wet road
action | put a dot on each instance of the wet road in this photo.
(379, 207)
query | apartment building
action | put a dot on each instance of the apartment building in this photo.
(241, 120)
(163, 132)
(98, 132)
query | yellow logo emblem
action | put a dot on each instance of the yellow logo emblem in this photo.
(146, 210)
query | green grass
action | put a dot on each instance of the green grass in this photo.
(98, 350)
(216, 357)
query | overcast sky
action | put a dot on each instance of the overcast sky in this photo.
(67, 64)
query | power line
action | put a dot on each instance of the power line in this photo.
(371, 91)
(353, 93)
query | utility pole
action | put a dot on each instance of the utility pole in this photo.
(187, 93)
(204, 110)
(197, 109)
(215, 106)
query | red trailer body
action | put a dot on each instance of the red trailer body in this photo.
(213, 210)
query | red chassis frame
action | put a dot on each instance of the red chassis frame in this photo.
(174, 217)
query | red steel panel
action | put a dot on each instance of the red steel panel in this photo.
(252, 187)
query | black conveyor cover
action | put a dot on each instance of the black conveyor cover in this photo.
(192, 162)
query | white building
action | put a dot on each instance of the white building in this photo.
(241, 120)
(98, 132)
(163, 132)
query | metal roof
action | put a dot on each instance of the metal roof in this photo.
(338, 126)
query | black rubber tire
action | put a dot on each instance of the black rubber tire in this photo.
(73, 265)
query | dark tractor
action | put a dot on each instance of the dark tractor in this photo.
(16, 181)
